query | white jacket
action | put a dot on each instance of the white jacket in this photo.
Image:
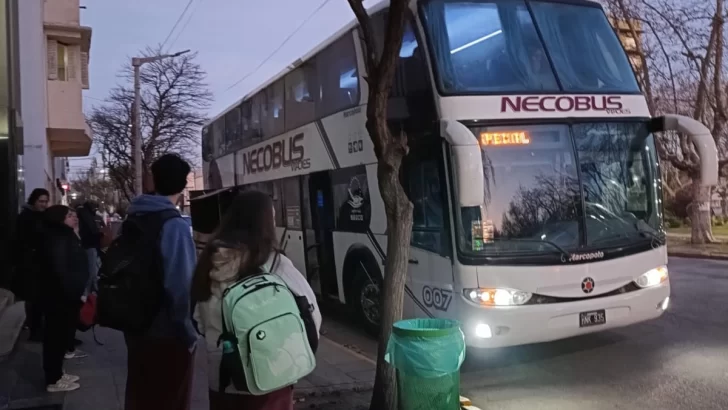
(209, 318)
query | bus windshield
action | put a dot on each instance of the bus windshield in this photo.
(558, 188)
(481, 46)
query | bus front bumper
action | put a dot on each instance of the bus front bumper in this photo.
(518, 325)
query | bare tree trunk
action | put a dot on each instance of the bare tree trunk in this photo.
(399, 227)
(390, 151)
(700, 215)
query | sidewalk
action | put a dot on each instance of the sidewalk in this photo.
(339, 375)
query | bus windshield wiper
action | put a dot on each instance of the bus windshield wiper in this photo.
(648, 233)
(553, 244)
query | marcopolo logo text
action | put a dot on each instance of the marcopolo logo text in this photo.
(286, 153)
(577, 257)
(610, 104)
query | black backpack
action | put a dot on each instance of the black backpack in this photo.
(131, 278)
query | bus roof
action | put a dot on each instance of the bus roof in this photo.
(346, 28)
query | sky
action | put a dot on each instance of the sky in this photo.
(232, 37)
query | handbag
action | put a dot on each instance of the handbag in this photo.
(87, 318)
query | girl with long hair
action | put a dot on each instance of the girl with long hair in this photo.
(63, 287)
(243, 243)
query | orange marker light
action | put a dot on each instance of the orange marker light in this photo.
(504, 138)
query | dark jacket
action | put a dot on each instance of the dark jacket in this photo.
(67, 265)
(28, 242)
(88, 228)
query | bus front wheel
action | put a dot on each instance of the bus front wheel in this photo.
(366, 295)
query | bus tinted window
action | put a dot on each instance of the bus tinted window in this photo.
(246, 123)
(259, 114)
(276, 123)
(531, 191)
(585, 51)
(338, 77)
(291, 202)
(487, 47)
(232, 128)
(218, 136)
(301, 95)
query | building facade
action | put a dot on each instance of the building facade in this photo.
(626, 36)
(11, 128)
(54, 58)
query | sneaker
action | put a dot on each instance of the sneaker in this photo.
(77, 342)
(70, 378)
(62, 386)
(76, 354)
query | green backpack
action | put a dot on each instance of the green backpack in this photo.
(265, 346)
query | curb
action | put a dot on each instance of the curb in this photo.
(697, 256)
(334, 390)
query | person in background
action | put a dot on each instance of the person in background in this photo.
(91, 237)
(64, 282)
(244, 241)
(28, 242)
(160, 362)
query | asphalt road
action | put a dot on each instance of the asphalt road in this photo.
(679, 361)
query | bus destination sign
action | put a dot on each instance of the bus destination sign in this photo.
(504, 138)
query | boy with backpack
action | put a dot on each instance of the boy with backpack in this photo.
(144, 291)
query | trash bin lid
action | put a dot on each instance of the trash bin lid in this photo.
(426, 327)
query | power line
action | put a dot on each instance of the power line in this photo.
(300, 26)
(179, 19)
(184, 26)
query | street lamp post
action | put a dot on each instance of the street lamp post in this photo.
(137, 62)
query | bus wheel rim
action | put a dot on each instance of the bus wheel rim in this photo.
(369, 301)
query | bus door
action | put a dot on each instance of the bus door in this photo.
(322, 221)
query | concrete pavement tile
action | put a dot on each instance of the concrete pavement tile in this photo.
(304, 384)
(326, 375)
(200, 405)
(352, 366)
(87, 398)
(363, 376)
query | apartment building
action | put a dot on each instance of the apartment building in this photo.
(629, 42)
(54, 59)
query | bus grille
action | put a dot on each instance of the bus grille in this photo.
(537, 299)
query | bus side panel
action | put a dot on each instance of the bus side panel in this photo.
(294, 249)
(347, 134)
(346, 242)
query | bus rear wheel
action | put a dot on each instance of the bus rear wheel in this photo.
(366, 297)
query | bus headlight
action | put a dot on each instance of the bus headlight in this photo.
(652, 277)
(497, 296)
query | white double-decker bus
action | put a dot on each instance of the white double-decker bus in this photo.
(533, 170)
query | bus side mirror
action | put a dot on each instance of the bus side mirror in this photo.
(467, 162)
(700, 137)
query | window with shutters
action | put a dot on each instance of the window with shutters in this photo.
(62, 61)
(52, 59)
(84, 70)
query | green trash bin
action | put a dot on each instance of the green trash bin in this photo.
(427, 354)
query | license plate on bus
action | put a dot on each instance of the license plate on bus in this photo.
(593, 318)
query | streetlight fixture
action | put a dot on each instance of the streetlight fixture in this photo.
(137, 62)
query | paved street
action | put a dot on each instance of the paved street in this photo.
(679, 361)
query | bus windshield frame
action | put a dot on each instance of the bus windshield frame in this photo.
(556, 189)
(483, 47)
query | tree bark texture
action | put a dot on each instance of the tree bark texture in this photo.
(390, 150)
(700, 215)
